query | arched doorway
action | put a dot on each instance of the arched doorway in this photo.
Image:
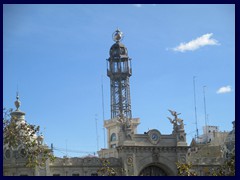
(152, 170)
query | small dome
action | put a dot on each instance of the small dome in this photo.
(118, 49)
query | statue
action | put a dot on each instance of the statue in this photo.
(174, 113)
(181, 125)
(178, 128)
(174, 122)
(177, 122)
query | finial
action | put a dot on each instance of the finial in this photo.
(17, 102)
(117, 35)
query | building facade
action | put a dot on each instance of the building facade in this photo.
(128, 153)
(14, 159)
(151, 153)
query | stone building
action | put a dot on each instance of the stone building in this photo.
(151, 153)
(129, 153)
(14, 159)
(211, 149)
(86, 166)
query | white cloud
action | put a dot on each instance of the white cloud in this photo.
(204, 40)
(137, 5)
(224, 89)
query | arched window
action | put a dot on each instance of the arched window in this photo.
(113, 137)
(153, 170)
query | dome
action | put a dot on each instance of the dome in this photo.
(118, 49)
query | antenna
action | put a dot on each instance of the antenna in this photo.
(205, 109)
(208, 119)
(96, 131)
(195, 107)
(66, 149)
(103, 115)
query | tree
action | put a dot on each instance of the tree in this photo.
(105, 170)
(27, 136)
(185, 169)
(227, 169)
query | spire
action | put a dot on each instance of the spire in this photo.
(18, 115)
(17, 102)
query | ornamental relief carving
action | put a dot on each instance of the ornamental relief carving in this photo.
(182, 158)
(130, 161)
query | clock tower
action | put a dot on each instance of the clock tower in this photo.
(121, 126)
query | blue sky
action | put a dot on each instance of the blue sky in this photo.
(55, 55)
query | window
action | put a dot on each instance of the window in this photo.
(56, 174)
(94, 174)
(113, 145)
(7, 154)
(113, 137)
(75, 174)
(122, 50)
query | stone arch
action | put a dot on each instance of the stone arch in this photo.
(152, 170)
(169, 167)
(57, 172)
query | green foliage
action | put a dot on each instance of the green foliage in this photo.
(227, 169)
(185, 169)
(105, 170)
(20, 133)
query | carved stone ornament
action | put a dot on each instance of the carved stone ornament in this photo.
(130, 160)
(182, 158)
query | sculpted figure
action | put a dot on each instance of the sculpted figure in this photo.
(181, 125)
(177, 122)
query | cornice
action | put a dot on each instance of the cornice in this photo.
(152, 148)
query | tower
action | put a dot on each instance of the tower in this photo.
(121, 126)
(119, 71)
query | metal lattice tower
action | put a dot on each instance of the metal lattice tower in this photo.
(119, 71)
